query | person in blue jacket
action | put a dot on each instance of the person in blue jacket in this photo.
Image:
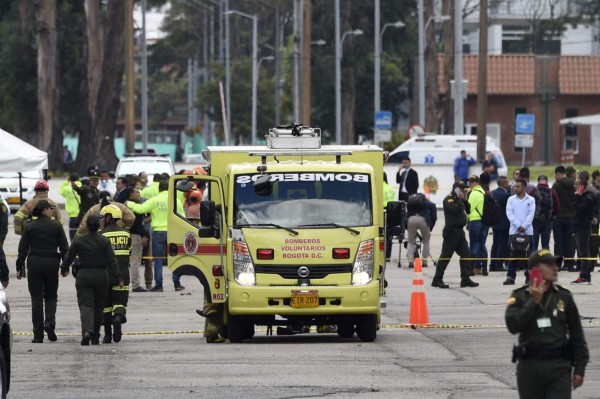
(461, 166)
(500, 243)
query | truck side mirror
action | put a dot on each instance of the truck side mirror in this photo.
(394, 213)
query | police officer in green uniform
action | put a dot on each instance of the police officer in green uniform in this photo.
(552, 353)
(96, 255)
(39, 243)
(454, 240)
(115, 308)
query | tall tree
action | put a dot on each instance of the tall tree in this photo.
(48, 92)
(101, 88)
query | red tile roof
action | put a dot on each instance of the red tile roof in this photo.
(507, 74)
(579, 75)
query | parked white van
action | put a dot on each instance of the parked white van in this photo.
(432, 157)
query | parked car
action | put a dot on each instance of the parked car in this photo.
(9, 187)
(151, 164)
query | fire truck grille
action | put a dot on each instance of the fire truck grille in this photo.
(315, 271)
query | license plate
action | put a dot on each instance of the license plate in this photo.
(305, 299)
(13, 200)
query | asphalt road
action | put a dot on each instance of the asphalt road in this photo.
(163, 354)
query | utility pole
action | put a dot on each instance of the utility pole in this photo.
(306, 68)
(297, 38)
(129, 80)
(459, 110)
(482, 82)
(338, 77)
(277, 65)
(144, 82)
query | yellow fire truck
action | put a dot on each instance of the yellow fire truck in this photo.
(291, 234)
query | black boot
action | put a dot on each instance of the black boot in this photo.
(439, 283)
(467, 282)
(96, 338)
(107, 333)
(86, 338)
(117, 334)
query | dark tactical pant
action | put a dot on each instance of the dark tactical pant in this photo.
(582, 242)
(92, 285)
(117, 297)
(454, 241)
(116, 303)
(42, 281)
(563, 243)
(544, 379)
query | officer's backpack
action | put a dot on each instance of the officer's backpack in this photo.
(415, 203)
(491, 211)
(543, 204)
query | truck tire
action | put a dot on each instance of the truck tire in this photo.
(237, 329)
(345, 329)
(366, 327)
(4, 373)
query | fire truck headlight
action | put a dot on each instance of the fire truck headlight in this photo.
(362, 272)
(243, 268)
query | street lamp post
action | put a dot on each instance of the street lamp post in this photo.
(338, 71)
(254, 19)
(422, 29)
(398, 24)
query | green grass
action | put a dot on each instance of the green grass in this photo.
(548, 170)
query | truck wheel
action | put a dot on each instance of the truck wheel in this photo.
(237, 329)
(345, 329)
(366, 327)
(4, 373)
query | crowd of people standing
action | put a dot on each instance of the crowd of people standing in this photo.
(116, 229)
(524, 218)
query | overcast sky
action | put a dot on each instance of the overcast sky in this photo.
(153, 22)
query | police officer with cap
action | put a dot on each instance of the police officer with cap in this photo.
(90, 195)
(454, 240)
(552, 353)
(96, 254)
(39, 244)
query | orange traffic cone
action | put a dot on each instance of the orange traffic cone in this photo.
(419, 315)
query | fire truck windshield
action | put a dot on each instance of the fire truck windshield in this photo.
(304, 200)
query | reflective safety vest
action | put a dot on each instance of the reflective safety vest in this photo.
(120, 240)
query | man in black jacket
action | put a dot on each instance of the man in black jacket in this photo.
(585, 204)
(500, 243)
(455, 216)
(562, 225)
(408, 179)
(90, 195)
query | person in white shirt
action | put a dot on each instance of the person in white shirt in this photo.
(107, 184)
(520, 210)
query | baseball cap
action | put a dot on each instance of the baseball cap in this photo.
(542, 177)
(41, 185)
(543, 256)
(43, 204)
(474, 179)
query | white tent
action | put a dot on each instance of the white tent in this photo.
(19, 156)
(593, 120)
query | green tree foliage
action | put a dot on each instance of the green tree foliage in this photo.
(183, 40)
(18, 86)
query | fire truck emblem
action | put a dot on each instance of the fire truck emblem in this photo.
(190, 243)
